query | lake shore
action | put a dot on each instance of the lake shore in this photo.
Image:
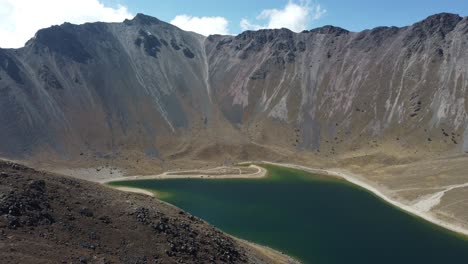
(135, 190)
(415, 209)
(271, 255)
(215, 173)
(379, 192)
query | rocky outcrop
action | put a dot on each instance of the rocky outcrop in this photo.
(48, 218)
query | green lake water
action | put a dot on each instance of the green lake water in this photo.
(316, 219)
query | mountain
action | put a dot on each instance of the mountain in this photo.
(141, 86)
(388, 104)
(100, 87)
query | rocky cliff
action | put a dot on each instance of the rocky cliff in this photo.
(144, 86)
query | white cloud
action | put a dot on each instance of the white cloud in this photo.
(294, 16)
(20, 19)
(202, 25)
(245, 24)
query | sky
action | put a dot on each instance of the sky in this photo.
(20, 19)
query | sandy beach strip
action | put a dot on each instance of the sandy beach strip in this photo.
(260, 173)
(134, 190)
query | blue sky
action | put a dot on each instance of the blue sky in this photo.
(20, 19)
(354, 15)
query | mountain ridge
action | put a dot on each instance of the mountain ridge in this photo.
(106, 100)
(388, 104)
(144, 19)
(123, 44)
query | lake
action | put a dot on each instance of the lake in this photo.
(313, 218)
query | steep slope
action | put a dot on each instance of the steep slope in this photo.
(336, 87)
(48, 218)
(388, 103)
(145, 86)
(102, 88)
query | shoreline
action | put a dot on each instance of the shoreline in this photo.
(354, 179)
(274, 256)
(133, 190)
(357, 180)
(260, 173)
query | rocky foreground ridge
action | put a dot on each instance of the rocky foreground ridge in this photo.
(46, 218)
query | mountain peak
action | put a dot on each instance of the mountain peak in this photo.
(143, 19)
(443, 21)
(61, 39)
(443, 17)
(328, 29)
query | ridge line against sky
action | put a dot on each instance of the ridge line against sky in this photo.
(20, 19)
